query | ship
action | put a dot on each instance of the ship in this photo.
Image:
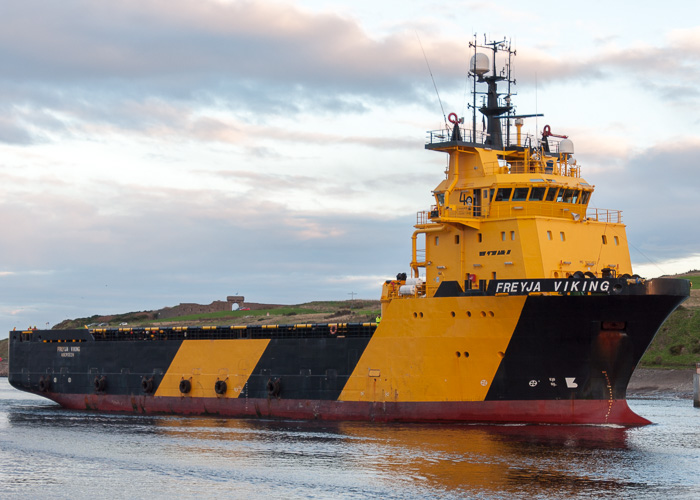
(520, 305)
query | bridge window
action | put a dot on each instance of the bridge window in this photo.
(503, 194)
(575, 197)
(585, 196)
(520, 194)
(537, 193)
(566, 196)
(551, 194)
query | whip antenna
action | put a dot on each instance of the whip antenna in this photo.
(433, 79)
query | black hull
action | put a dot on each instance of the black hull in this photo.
(569, 360)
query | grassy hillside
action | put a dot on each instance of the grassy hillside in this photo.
(310, 312)
(677, 345)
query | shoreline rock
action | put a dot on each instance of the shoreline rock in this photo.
(654, 382)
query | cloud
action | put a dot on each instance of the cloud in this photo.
(656, 188)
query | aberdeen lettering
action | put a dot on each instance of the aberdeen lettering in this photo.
(523, 287)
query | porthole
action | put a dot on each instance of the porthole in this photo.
(466, 354)
(459, 354)
(469, 314)
(491, 314)
(420, 314)
(415, 315)
(483, 314)
(452, 313)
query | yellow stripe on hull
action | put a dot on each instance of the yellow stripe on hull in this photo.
(445, 349)
(206, 361)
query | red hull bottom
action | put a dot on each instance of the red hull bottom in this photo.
(528, 412)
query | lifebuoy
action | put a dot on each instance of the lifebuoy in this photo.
(334, 329)
(147, 384)
(453, 118)
(185, 386)
(547, 131)
(220, 387)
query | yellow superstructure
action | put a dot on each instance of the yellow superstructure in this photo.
(514, 214)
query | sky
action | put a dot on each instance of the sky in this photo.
(154, 152)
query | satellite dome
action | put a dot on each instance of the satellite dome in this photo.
(566, 146)
(479, 64)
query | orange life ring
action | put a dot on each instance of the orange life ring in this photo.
(334, 329)
(453, 118)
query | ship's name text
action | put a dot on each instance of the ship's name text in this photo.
(518, 287)
(67, 352)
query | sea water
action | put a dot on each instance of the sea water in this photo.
(50, 452)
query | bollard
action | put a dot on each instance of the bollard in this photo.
(696, 386)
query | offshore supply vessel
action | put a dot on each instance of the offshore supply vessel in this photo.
(520, 306)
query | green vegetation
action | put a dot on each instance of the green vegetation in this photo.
(677, 345)
(361, 310)
(221, 315)
(132, 318)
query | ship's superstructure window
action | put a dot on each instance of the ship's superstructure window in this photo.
(520, 194)
(503, 194)
(512, 235)
(617, 240)
(566, 195)
(437, 240)
(480, 237)
(549, 235)
(551, 194)
(605, 240)
(456, 239)
(441, 198)
(503, 236)
(537, 193)
(585, 196)
(562, 236)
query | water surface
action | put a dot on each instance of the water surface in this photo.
(46, 451)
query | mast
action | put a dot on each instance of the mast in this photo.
(492, 110)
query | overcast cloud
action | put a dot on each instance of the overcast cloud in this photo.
(154, 152)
